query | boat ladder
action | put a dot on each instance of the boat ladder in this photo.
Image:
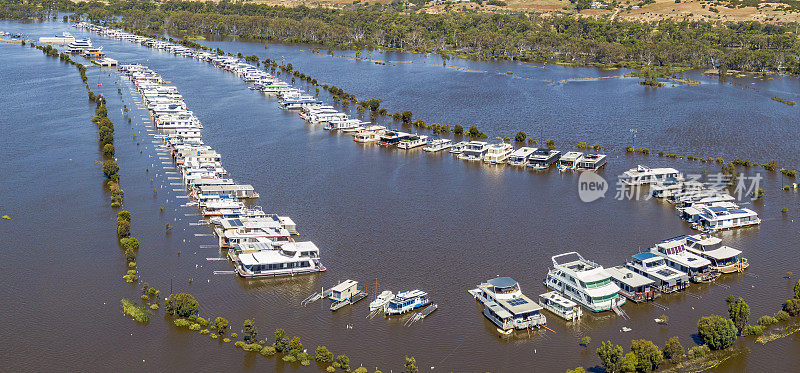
(374, 313)
(620, 312)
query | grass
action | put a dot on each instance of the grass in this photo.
(138, 313)
(779, 333)
(706, 362)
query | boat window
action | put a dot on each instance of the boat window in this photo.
(597, 284)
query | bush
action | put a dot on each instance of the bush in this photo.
(738, 311)
(203, 322)
(268, 351)
(194, 327)
(323, 355)
(124, 215)
(205, 331)
(716, 332)
(154, 306)
(343, 361)
(108, 150)
(792, 307)
(234, 335)
(110, 168)
(181, 304)
(181, 323)
(610, 356)
(220, 325)
(754, 330)
(330, 369)
(239, 344)
(782, 316)
(129, 243)
(138, 313)
(520, 136)
(123, 229)
(458, 130)
(767, 320)
(226, 340)
(698, 351)
(360, 370)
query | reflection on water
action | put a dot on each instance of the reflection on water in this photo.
(409, 219)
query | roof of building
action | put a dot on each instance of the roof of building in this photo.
(502, 282)
(644, 256)
(628, 277)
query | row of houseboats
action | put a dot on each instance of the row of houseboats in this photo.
(708, 208)
(575, 282)
(315, 111)
(259, 244)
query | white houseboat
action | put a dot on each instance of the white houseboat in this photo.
(498, 153)
(715, 218)
(474, 151)
(560, 306)
(269, 259)
(437, 145)
(542, 159)
(724, 259)
(585, 282)
(592, 162)
(676, 256)
(520, 156)
(569, 161)
(667, 280)
(642, 175)
(506, 306)
(458, 147)
(407, 301)
(412, 141)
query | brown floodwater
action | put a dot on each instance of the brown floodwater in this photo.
(408, 219)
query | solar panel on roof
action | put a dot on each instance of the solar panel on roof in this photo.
(665, 272)
(236, 223)
(517, 302)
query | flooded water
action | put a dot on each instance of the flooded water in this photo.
(404, 219)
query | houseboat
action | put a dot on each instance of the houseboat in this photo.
(474, 151)
(498, 153)
(407, 301)
(237, 190)
(345, 293)
(672, 187)
(667, 280)
(266, 259)
(390, 138)
(381, 301)
(676, 256)
(437, 145)
(724, 259)
(592, 162)
(369, 134)
(520, 156)
(715, 218)
(412, 141)
(642, 175)
(560, 306)
(458, 147)
(569, 161)
(584, 282)
(506, 306)
(632, 285)
(542, 159)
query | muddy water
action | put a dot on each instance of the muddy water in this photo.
(408, 219)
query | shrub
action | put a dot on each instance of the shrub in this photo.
(108, 150)
(716, 332)
(181, 304)
(239, 344)
(323, 355)
(330, 369)
(220, 325)
(343, 361)
(610, 356)
(754, 330)
(520, 136)
(181, 323)
(767, 320)
(268, 351)
(739, 312)
(226, 340)
(124, 215)
(698, 351)
(154, 306)
(123, 229)
(792, 307)
(110, 168)
(360, 370)
(129, 243)
(551, 144)
(782, 316)
(138, 313)
(203, 322)
(194, 327)
(458, 130)
(214, 336)
(234, 335)
(205, 331)
(251, 347)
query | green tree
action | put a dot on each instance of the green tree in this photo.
(610, 356)
(281, 342)
(673, 349)
(739, 312)
(648, 355)
(406, 116)
(220, 325)
(792, 307)
(628, 363)
(797, 290)
(716, 332)
(110, 168)
(108, 150)
(295, 345)
(322, 355)
(250, 330)
(458, 130)
(183, 304)
(586, 340)
(576, 370)
(410, 366)
(344, 361)
(520, 136)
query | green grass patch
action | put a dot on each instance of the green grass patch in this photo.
(134, 311)
(787, 102)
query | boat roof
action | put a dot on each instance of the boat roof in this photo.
(521, 304)
(645, 256)
(628, 277)
(410, 294)
(555, 297)
(502, 282)
(523, 151)
(571, 156)
(265, 257)
(499, 311)
(344, 285)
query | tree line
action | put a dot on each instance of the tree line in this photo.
(751, 46)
